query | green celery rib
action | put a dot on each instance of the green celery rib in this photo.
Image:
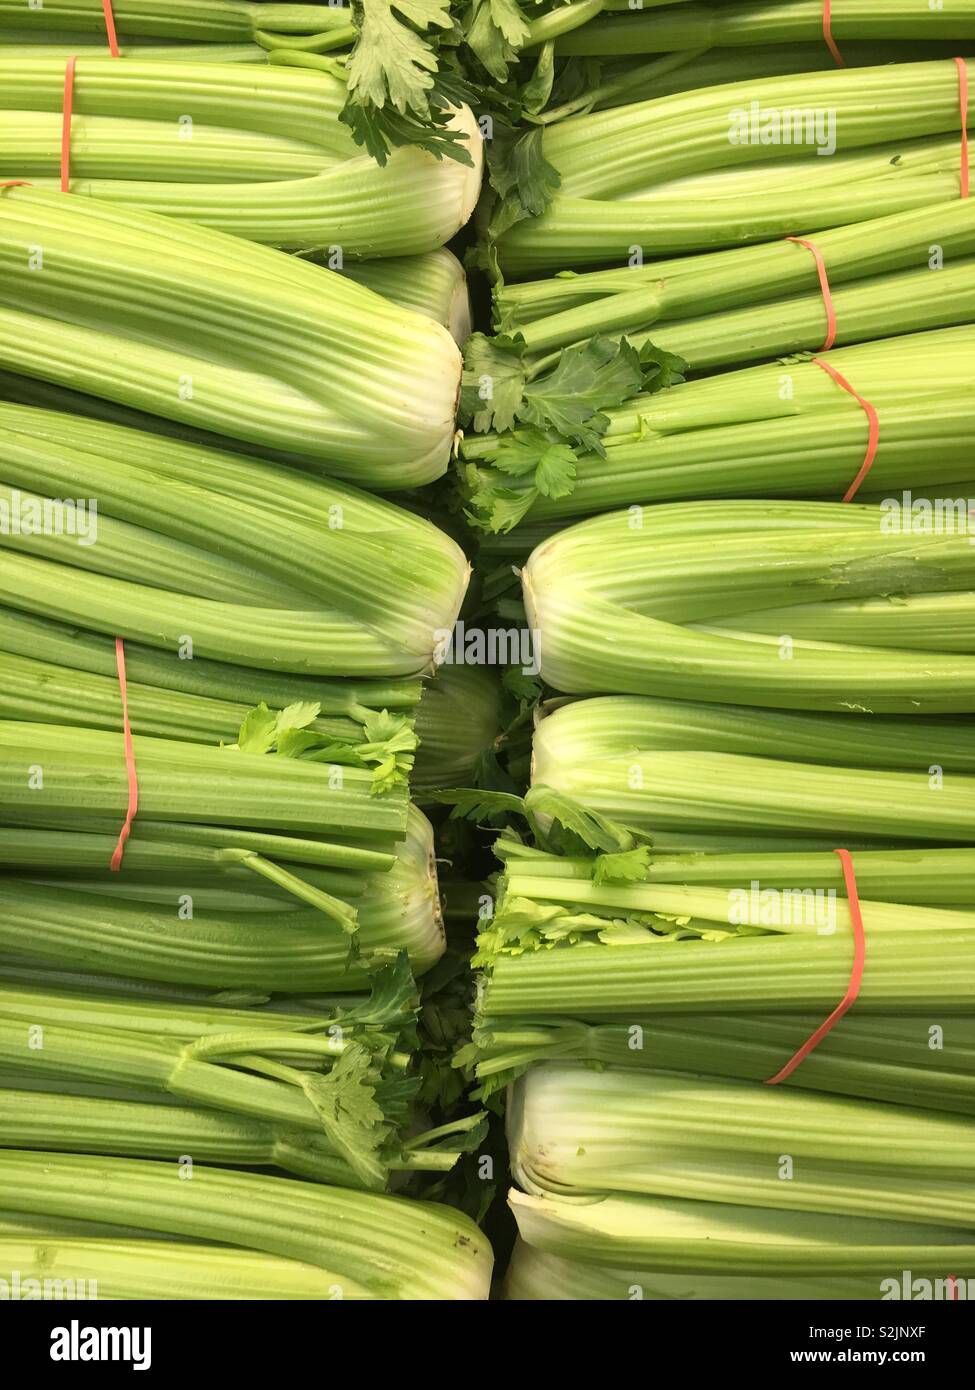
(582, 731)
(201, 21)
(635, 78)
(84, 775)
(156, 1269)
(880, 1057)
(397, 1249)
(691, 1237)
(58, 644)
(721, 793)
(46, 693)
(303, 362)
(572, 1130)
(538, 1275)
(90, 1007)
(912, 973)
(733, 25)
(130, 925)
(169, 845)
(89, 1124)
(625, 608)
(21, 44)
(266, 155)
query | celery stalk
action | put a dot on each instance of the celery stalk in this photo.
(396, 1249)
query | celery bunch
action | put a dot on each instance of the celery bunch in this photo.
(221, 335)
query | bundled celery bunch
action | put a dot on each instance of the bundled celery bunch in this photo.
(389, 77)
(224, 336)
(237, 1230)
(698, 1241)
(703, 169)
(322, 1087)
(263, 567)
(647, 1160)
(803, 605)
(784, 429)
(196, 915)
(260, 152)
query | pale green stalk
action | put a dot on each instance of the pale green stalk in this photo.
(434, 285)
(120, 1268)
(573, 1131)
(394, 1248)
(660, 603)
(242, 341)
(258, 151)
(457, 720)
(745, 23)
(203, 21)
(183, 928)
(689, 1238)
(538, 1276)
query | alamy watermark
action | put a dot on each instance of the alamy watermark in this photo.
(783, 907)
(492, 646)
(23, 514)
(755, 124)
(25, 1288)
(912, 1289)
(908, 515)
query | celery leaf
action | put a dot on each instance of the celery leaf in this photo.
(495, 31)
(345, 1100)
(258, 731)
(587, 378)
(574, 828)
(628, 866)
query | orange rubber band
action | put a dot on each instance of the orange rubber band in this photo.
(133, 781)
(963, 103)
(110, 28)
(824, 287)
(856, 974)
(873, 437)
(16, 183)
(828, 34)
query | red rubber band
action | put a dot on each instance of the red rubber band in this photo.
(828, 34)
(963, 103)
(66, 123)
(856, 974)
(133, 780)
(824, 287)
(873, 437)
(110, 28)
(16, 183)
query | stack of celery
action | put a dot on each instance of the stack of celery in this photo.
(711, 454)
(219, 896)
(711, 339)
